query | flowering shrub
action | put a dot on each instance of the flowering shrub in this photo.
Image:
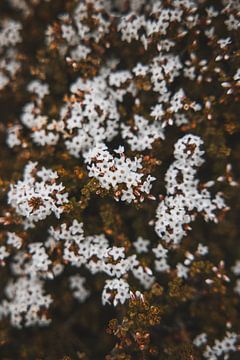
(119, 179)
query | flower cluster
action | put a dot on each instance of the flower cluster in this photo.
(91, 118)
(26, 300)
(97, 256)
(37, 195)
(112, 171)
(9, 37)
(184, 197)
(143, 134)
(221, 347)
(161, 254)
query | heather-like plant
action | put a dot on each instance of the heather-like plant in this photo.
(119, 179)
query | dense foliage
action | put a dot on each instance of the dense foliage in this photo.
(119, 179)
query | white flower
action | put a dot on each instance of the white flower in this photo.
(177, 101)
(76, 227)
(202, 250)
(117, 252)
(224, 42)
(13, 135)
(38, 88)
(120, 77)
(232, 22)
(39, 258)
(14, 240)
(118, 286)
(144, 275)
(160, 252)
(236, 268)
(77, 285)
(141, 245)
(140, 70)
(200, 339)
(129, 26)
(161, 265)
(4, 80)
(32, 118)
(69, 34)
(10, 33)
(182, 271)
(3, 253)
(157, 112)
(80, 52)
